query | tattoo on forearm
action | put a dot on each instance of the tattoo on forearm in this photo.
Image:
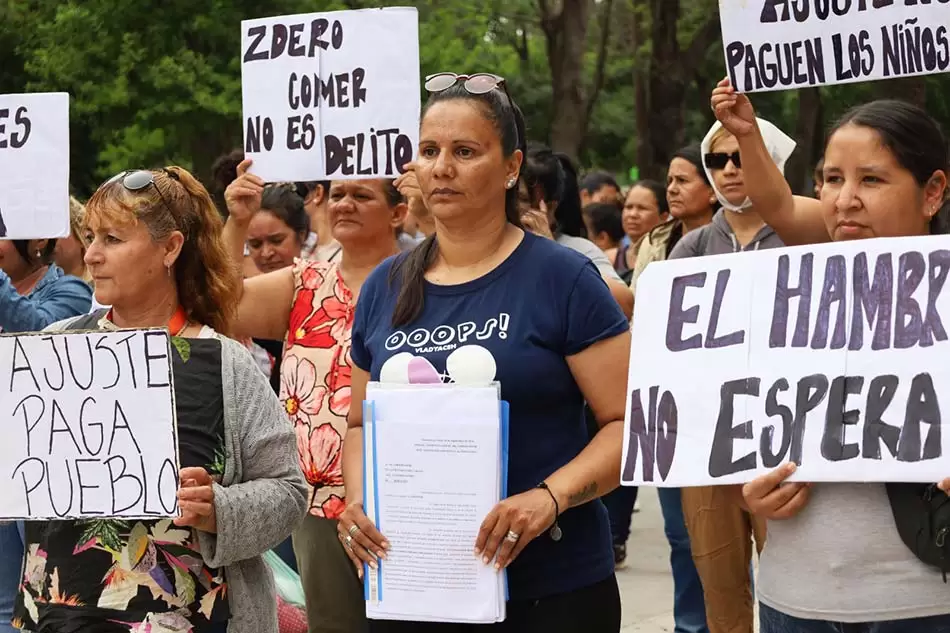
(584, 495)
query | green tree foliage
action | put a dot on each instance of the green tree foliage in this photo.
(159, 83)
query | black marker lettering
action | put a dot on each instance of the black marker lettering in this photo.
(721, 462)
(252, 54)
(838, 418)
(150, 357)
(59, 361)
(119, 414)
(876, 430)
(82, 487)
(83, 424)
(57, 412)
(18, 350)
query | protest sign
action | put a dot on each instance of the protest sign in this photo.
(34, 166)
(782, 44)
(331, 95)
(89, 426)
(831, 356)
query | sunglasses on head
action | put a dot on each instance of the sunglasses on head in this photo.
(719, 160)
(477, 84)
(135, 180)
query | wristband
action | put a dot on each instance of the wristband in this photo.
(555, 530)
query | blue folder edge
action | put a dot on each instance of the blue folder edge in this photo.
(369, 413)
(504, 468)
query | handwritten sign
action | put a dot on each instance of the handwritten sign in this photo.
(831, 356)
(331, 95)
(782, 44)
(34, 166)
(89, 426)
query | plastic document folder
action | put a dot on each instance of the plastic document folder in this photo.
(434, 465)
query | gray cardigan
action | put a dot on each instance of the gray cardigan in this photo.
(262, 496)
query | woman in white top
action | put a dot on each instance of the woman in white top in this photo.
(834, 560)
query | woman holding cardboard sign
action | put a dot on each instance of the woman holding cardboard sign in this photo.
(34, 292)
(157, 258)
(834, 557)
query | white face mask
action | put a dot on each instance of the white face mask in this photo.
(778, 143)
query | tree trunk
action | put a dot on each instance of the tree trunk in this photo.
(565, 26)
(661, 90)
(911, 89)
(809, 133)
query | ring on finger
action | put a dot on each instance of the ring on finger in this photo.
(512, 536)
(348, 541)
(353, 529)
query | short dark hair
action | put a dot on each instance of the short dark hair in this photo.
(284, 204)
(499, 108)
(223, 173)
(605, 217)
(555, 175)
(596, 180)
(658, 191)
(304, 189)
(45, 257)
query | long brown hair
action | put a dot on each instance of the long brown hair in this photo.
(207, 280)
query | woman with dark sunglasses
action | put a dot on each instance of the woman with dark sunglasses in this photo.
(156, 255)
(721, 532)
(565, 341)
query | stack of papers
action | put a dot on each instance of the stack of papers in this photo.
(434, 465)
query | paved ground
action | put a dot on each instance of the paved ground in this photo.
(646, 586)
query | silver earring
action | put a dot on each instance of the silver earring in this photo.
(511, 183)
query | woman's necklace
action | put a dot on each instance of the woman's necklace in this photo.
(176, 325)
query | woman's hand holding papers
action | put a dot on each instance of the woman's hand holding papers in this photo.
(361, 541)
(524, 516)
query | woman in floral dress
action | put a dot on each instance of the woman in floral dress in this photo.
(311, 306)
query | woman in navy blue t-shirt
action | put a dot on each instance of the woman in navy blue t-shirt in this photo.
(522, 310)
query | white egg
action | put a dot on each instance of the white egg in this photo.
(471, 365)
(396, 369)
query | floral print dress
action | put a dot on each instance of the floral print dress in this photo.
(114, 576)
(315, 379)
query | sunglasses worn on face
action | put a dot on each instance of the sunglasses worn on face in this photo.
(136, 180)
(719, 160)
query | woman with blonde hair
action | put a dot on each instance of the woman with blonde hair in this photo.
(156, 256)
(71, 250)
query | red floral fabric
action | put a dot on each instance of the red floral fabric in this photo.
(315, 379)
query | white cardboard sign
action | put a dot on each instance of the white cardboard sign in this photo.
(89, 426)
(832, 356)
(331, 96)
(783, 44)
(34, 166)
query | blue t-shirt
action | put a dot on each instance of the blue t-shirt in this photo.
(515, 325)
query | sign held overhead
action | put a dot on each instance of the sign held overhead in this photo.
(34, 166)
(784, 44)
(331, 95)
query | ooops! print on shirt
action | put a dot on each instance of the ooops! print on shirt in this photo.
(467, 363)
